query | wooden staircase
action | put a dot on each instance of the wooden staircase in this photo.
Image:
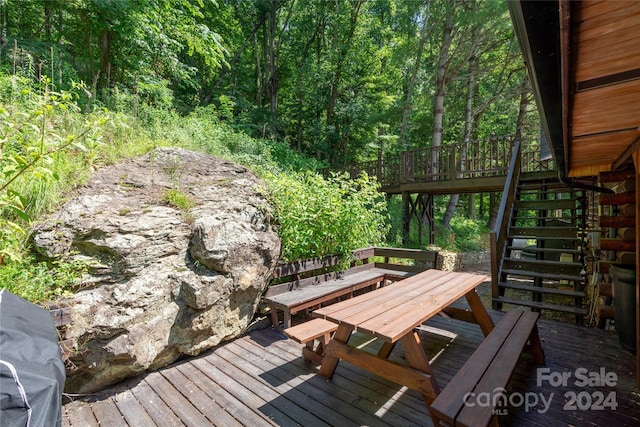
(542, 264)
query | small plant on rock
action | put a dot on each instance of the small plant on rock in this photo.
(178, 199)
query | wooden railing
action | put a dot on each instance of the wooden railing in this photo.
(482, 158)
(498, 237)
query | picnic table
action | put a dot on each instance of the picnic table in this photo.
(392, 313)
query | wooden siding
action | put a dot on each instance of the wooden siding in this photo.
(589, 170)
(607, 109)
(605, 83)
(600, 151)
(605, 38)
(261, 380)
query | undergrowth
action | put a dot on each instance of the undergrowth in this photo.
(66, 144)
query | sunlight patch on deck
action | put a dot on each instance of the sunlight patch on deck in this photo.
(366, 343)
(391, 401)
(438, 331)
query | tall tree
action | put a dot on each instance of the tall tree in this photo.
(412, 79)
(341, 44)
(468, 122)
(441, 82)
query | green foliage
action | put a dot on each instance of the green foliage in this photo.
(40, 281)
(318, 216)
(178, 199)
(37, 126)
(47, 146)
(465, 235)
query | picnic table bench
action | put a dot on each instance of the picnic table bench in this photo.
(311, 283)
(488, 370)
(308, 333)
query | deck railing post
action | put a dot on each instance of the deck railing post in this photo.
(403, 167)
(493, 159)
(453, 169)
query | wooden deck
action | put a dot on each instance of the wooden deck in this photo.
(260, 379)
(478, 167)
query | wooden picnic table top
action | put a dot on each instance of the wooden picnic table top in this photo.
(390, 312)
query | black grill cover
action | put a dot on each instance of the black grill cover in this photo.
(31, 370)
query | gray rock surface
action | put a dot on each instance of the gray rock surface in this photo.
(166, 279)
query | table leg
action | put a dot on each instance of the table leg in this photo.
(418, 360)
(330, 361)
(386, 349)
(535, 348)
(479, 312)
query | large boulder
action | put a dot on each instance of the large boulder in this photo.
(179, 247)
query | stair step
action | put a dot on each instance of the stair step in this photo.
(533, 263)
(545, 204)
(542, 305)
(562, 292)
(570, 241)
(550, 232)
(537, 267)
(617, 221)
(544, 250)
(544, 187)
(541, 275)
(543, 176)
(569, 219)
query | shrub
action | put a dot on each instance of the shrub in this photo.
(318, 216)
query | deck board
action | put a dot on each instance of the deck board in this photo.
(228, 402)
(157, 409)
(207, 406)
(108, 413)
(132, 410)
(180, 404)
(260, 379)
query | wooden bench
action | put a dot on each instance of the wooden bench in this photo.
(308, 333)
(488, 370)
(311, 283)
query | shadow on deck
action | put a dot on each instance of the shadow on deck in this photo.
(260, 379)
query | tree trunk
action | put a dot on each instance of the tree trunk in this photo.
(270, 69)
(332, 132)
(47, 22)
(272, 54)
(524, 104)
(411, 83)
(471, 211)
(259, 85)
(493, 211)
(106, 40)
(441, 81)
(468, 127)
(3, 32)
